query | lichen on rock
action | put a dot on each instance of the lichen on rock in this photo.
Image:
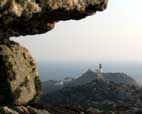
(29, 17)
(19, 78)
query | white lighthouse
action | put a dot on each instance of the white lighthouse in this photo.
(100, 68)
(99, 72)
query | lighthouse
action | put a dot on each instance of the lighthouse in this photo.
(100, 68)
(99, 72)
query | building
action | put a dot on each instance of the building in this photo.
(99, 72)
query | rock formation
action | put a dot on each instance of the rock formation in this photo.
(22, 110)
(28, 17)
(19, 79)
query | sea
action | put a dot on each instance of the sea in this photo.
(59, 70)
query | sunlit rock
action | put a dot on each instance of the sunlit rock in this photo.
(29, 17)
(19, 78)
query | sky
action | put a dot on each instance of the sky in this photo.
(112, 35)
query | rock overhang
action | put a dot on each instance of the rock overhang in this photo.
(30, 17)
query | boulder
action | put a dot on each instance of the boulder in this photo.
(22, 110)
(19, 78)
(21, 17)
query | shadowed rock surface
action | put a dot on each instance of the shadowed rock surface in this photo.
(19, 79)
(29, 17)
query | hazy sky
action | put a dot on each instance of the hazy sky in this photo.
(112, 35)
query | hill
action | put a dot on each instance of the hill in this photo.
(87, 77)
(114, 77)
(98, 95)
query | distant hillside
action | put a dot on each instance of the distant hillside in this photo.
(103, 95)
(116, 92)
(120, 78)
(53, 85)
(114, 77)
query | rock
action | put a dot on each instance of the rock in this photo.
(19, 78)
(21, 17)
(21, 110)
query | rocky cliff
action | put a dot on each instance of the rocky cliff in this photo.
(19, 79)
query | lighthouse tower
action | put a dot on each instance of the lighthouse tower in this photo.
(100, 68)
(99, 72)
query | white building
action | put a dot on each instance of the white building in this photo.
(99, 72)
